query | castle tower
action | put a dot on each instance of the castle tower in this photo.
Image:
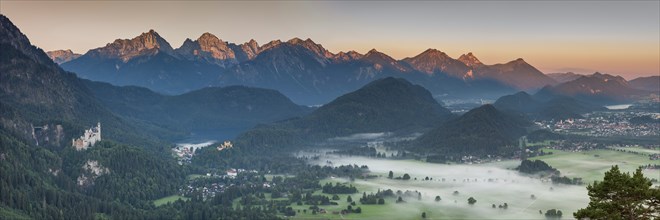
(98, 129)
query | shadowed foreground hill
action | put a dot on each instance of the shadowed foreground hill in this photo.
(481, 131)
(385, 105)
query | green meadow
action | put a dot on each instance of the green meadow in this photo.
(592, 165)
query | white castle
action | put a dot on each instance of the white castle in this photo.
(90, 137)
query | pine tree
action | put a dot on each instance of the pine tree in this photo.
(621, 196)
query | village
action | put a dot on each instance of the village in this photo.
(185, 152)
(606, 124)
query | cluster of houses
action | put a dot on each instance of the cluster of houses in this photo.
(605, 124)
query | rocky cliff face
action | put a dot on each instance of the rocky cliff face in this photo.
(208, 48)
(470, 60)
(149, 43)
(62, 56)
(347, 56)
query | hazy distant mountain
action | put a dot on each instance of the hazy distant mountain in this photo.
(558, 107)
(518, 74)
(432, 61)
(649, 83)
(596, 88)
(479, 132)
(381, 61)
(62, 56)
(564, 77)
(231, 109)
(384, 105)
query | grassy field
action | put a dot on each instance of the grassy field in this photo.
(169, 199)
(521, 206)
(592, 165)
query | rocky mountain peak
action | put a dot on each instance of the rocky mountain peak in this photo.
(312, 46)
(62, 56)
(431, 61)
(146, 43)
(347, 56)
(269, 45)
(295, 40)
(208, 47)
(152, 39)
(470, 60)
(253, 43)
(434, 53)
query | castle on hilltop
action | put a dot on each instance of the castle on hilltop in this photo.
(88, 139)
(225, 145)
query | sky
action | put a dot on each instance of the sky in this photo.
(615, 37)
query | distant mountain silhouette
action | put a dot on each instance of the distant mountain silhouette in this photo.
(564, 77)
(596, 88)
(649, 83)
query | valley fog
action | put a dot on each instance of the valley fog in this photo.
(490, 183)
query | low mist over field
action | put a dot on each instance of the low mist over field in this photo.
(487, 183)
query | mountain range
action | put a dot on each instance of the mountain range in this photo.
(301, 69)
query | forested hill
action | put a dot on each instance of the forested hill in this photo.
(385, 105)
(481, 131)
(41, 175)
(212, 108)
